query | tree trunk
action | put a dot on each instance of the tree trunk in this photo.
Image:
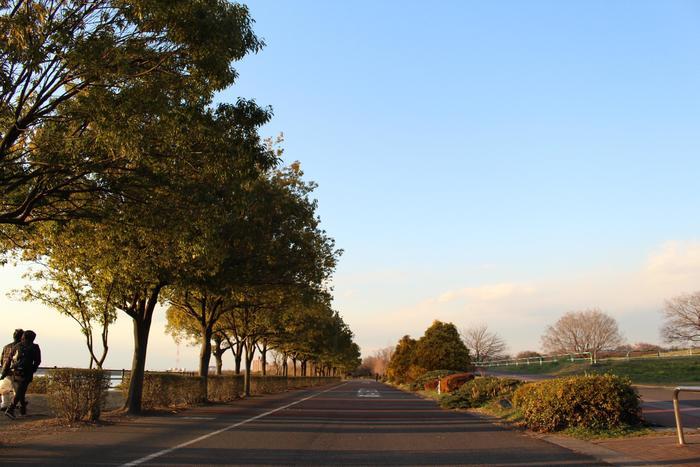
(249, 353)
(204, 359)
(138, 366)
(285, 366)
(263, 358)
(141, 314)
(237, 356)
(218, 353)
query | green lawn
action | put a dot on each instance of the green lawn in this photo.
(675, 370)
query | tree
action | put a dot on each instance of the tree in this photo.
(402, 359)
(589, 330)
(378, 362)
(441, 348)
(682, 319)
(67, 292)
(80, 77)
(482, 343)
(156, 240)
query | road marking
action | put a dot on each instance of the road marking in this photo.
(362, 392)
(150, 457)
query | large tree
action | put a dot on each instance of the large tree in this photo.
(402, 359)
(81, 80)
(682, 319)
(589, 330)
(482, 343)
(441, 348)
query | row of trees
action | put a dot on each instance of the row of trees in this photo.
(130, 188)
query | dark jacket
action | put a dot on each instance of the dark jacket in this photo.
(25, 360)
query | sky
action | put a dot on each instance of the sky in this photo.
(494, 162)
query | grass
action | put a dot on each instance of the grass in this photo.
(627, 431)
(668, 370)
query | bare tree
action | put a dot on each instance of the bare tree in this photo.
(682, 319)
(589, 330)
(378, 362)
(482, 343)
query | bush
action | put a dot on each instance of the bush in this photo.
(77, 394)
(430, 376)
(596, 402)
(480, 391)
(451, 382)
(38, 385)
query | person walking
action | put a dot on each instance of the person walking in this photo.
(6, 385)
(25, 360)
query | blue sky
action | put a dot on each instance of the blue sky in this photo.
(497, 162)
(473, 143)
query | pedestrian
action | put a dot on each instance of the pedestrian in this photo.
(6, 384)
(25, 360)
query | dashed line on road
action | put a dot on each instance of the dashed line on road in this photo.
(163, 452)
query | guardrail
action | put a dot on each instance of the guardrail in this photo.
(573, 357)
(677, 410)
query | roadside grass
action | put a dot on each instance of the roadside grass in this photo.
(666, 370)
(627, 431)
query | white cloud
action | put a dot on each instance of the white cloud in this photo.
(675, 261)
(520, 310)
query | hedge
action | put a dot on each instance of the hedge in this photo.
(597, 402)
(176, 390)
(77, 394)
(38, 385)
(480, 391)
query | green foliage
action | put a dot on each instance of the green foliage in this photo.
(597, 402)
(480, 391)
(77, 394)
(419, 382)
(82, 81)
(401, 360)
(441, 347)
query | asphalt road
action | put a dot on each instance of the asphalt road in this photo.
(354, 423)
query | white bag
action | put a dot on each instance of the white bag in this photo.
(5, 385)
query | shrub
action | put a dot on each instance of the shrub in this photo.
(479, 391)
(434, 375)
(597, 402)
(77, 394)
(38, 385)
(451, 382)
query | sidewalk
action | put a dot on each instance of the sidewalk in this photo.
(658, 449)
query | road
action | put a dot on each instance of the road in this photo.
(353, 423)
(656, 402)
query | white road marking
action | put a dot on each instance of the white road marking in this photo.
(362, 392)
(150, 457)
